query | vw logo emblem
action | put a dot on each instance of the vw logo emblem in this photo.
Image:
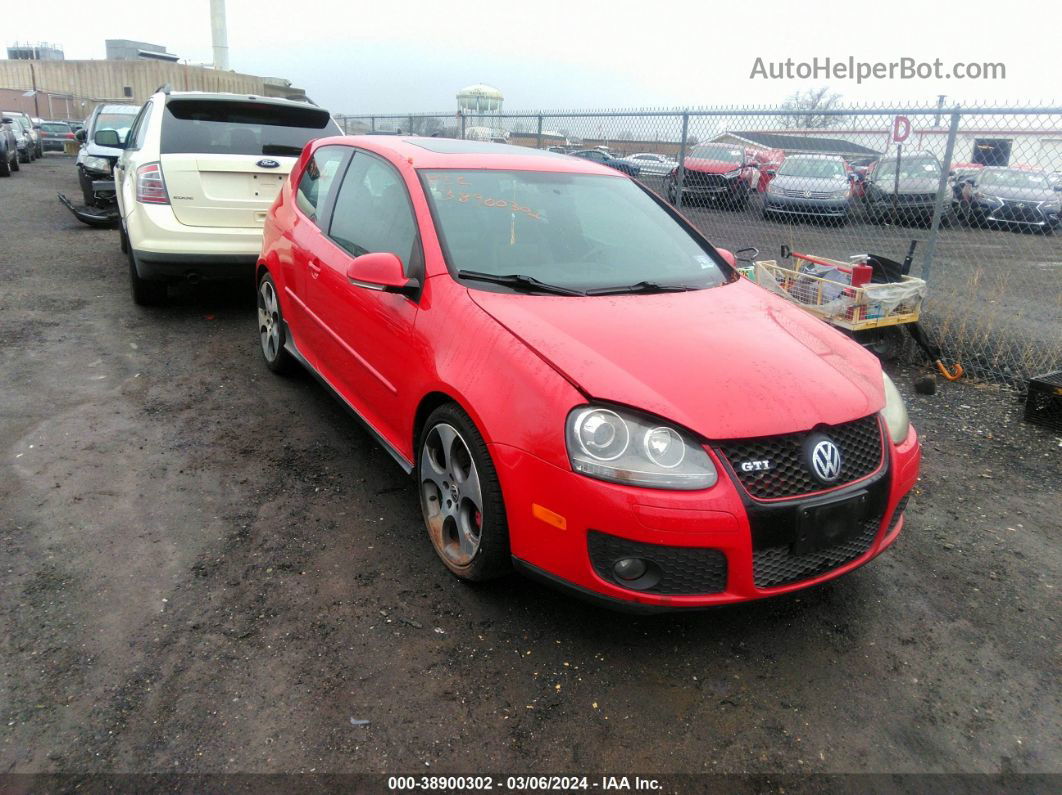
(807, 194)
(823, 458)
(267, 163)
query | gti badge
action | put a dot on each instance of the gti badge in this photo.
(822, 458)
(267, 163)
(755, 466)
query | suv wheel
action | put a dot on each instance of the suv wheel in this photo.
(5, 167)
(460, 497)
(145, 292)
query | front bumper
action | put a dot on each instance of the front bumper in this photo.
(721, 519)
(1032, 215)
(834, 208)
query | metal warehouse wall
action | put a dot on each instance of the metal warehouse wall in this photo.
(109, 79)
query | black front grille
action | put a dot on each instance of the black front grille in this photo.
(788, 475)
(698, 179)
(779, 565)
(1028, 212)
(676, 570)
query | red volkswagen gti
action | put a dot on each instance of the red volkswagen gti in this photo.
(580, 383)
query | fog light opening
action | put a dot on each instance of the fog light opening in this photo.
(629, 569)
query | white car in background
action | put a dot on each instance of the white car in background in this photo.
(197, 175)
(652, 163)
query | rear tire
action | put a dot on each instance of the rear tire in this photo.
(272, 332)
(460, 497)
(5, 167)
(144, 291)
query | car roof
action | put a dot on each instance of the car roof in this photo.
(460, 154)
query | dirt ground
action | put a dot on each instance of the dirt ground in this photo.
(207, 568)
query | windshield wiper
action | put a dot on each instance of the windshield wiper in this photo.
(518, 281)
(640, 287)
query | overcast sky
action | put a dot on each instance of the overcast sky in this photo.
(355, 56)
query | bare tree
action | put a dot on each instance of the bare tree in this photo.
(804, 109)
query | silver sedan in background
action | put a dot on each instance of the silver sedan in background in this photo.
(652, 163)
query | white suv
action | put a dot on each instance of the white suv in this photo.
(197, 175)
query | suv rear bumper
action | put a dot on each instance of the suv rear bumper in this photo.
(156, 236)
(194, 267)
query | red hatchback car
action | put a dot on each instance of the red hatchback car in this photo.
(580, 383)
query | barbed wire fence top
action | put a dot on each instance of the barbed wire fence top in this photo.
(977, 188)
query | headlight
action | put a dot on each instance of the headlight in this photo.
(895, 412)
(97, 163)
(624, 447)
(1051, 207)
(732, 174)
(841, 194)
(773, 189)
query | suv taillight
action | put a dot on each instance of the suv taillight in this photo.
(150, 186)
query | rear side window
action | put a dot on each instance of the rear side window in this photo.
(203, 126)
(317, 179)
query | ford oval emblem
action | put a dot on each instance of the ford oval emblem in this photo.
(267, 163)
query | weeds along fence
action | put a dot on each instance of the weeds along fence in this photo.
(978, 188)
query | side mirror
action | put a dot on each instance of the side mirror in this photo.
(381, 270)
(81, 135)
(771, 172)
(728, 256)
(36, 127)
(108, 138)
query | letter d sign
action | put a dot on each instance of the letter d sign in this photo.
(901, 128)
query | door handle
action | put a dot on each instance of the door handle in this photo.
(315, 268)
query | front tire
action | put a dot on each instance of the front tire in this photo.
(460, 497)
(272, 332)
(5, 167)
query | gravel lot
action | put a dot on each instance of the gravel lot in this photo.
(210, 569)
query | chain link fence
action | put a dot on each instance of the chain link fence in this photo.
(977, 189)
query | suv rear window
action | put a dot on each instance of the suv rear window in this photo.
(55, 127)
(203, 126)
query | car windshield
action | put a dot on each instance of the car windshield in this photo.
(811, 167)
(204, 126)
(579, 231)
(910, 168)
(119, 122)
(1013, 178)
(725, 154)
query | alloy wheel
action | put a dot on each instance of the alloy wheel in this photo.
(451, 495)
(268, 320)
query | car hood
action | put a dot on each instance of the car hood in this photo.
(728, 362)
(810, 183)
(711, 166)
(910, 185)
(1021, 194)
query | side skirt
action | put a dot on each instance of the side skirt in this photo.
(290, 347)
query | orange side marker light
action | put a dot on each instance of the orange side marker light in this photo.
(548, 516)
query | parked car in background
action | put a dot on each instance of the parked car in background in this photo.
(718, 173)
(54, 135)
(902, 190)
(651, 163)
(198, 173)
(27, 136)
(1009, 197)
(8, 147)
(74, 125)
(652, 431)
(605, 159)
(810, 185)
(95, 162)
